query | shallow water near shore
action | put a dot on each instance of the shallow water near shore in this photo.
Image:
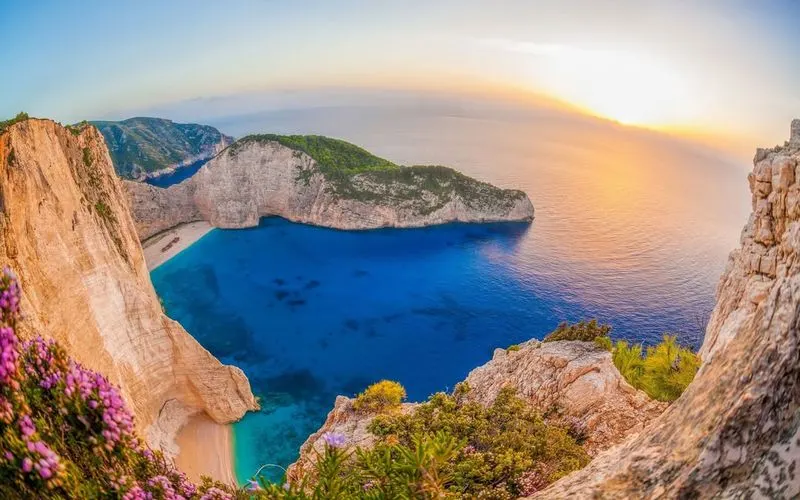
(630, 229)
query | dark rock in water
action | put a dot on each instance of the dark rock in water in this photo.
(279, 281)
(312, 284)
(351, 324)
(296, 302)
(360, 273)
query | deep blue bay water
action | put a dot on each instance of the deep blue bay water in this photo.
(180, 174)
(630, 229)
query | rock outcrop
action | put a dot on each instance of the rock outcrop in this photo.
(575, 383)
(735, 432)
(344, 420)
(66, 230)
(256, 178)
(569, 380)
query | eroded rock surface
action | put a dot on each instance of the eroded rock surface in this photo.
(735, 432)
(575, 383)
(569, 380)
(66, 230)
(243, 184)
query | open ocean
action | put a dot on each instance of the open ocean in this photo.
(631, 228)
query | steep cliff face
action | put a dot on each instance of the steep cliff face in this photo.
(66, 230)
(574, 383)
(735, 432)
(255, 178)
(148, 147)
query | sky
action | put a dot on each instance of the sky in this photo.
(725, 69)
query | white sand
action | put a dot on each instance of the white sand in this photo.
(164, 246)
(206, 450)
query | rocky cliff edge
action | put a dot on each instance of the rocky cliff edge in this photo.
(574, 383)
(735, 432)
(66, 230)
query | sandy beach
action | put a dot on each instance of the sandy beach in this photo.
(164, 246)
(206, 450)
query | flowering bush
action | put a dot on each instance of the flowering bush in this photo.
(65, 431)
(380, 396)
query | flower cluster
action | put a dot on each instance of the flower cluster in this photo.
(334, 439)
(66, 429)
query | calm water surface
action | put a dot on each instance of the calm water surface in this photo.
(630, 228)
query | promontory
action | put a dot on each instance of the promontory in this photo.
(320, 181)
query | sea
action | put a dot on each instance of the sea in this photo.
(632, 228)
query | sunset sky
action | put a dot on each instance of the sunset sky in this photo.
(727, 68)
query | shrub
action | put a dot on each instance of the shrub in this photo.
(65, 431)
(586, 331)
(87, 157)
(104, 211)
(513, 348)
(21, 116)
(380, 396)
(663, 372)
(500, 442)
(604, 343)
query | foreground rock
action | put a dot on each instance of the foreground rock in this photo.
(259, 177)
(66, 230)
(344, 420)
(575, 383)
(735, 432)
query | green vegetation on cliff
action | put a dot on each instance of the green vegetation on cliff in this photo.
(142, 145)
(447, 447)
(354, 173)
(21, 116)
(662, 371)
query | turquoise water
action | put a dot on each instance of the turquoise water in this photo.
(629, 228)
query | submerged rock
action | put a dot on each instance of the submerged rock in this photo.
(260, 176)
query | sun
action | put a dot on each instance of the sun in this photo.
(623, 86)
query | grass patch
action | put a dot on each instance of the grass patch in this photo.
(662, 371)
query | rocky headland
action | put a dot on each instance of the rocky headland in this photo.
(66, 230)
(319, 181)
(143, 148)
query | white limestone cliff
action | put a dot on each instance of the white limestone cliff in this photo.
(66, 230)
(238, 187)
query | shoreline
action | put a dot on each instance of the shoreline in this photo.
(163, 246)
(206, 449)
